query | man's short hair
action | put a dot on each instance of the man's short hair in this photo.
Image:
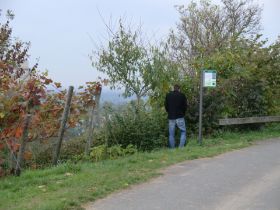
(176, 87)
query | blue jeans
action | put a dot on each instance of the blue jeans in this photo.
(180, 122)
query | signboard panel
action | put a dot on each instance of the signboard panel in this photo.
(209, 78)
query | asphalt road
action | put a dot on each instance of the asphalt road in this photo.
(247, 179)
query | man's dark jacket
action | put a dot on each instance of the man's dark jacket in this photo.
(175, 105)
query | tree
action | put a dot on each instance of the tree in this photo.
(248, 81)
(140, 69)
(25, 92)
(206, 27)
(165, 73)
(126, 62)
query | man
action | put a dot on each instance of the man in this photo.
(175, 106)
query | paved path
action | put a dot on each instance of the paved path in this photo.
(247, 179)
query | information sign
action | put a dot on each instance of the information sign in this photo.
(209, 79)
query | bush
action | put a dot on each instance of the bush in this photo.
(103, 152)
(43, 153)
(135, 125)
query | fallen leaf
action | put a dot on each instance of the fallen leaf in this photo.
(41, 186)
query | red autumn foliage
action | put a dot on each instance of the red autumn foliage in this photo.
(27, 91)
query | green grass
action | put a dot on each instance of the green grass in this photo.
(68, 186)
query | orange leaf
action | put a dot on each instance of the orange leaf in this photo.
(15, 147)
(18, 132)
(27, 156)
(3, 65)
(1, 146)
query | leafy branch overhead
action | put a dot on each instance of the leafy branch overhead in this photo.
(133, 65)
(125, 60)
(205, 27)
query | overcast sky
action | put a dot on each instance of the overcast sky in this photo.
(60, 30)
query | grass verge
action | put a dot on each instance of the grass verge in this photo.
(68, 185)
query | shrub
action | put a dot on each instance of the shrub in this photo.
(103, 152)
(43, 153)
(136, 125)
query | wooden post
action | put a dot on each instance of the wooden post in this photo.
(13, 161)
(24, 139)
(89, 131)
(63, 124)
(93, 122)
(96, 109)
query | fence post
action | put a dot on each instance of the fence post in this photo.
(24, 139)
(63, 124)
(93, 122)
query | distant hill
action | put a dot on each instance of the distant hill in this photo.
(114, 97)
(107, 95)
